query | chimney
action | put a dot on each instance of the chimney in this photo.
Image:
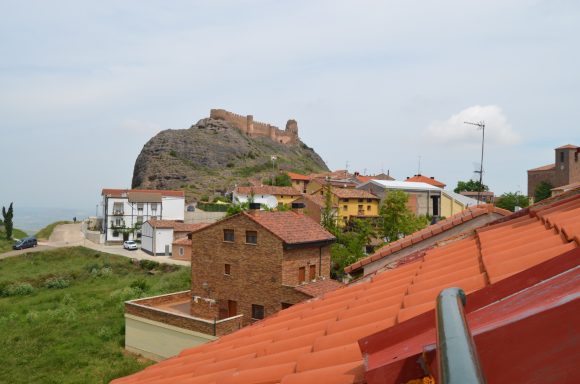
(432, 178)
(298, 207)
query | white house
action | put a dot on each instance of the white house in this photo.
(157, 236)
(125, 210)
(268, 195)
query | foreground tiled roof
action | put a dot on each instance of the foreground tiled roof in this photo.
(176, 225)
(319, 287)
(430, 231)
(268, 190)
(425, 179)
(118, 192)
(317, 341)
(291, 227)
(348, 193)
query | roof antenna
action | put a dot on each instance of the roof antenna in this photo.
(479, 125)
(419, 167)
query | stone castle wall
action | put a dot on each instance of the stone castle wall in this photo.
(247, 125)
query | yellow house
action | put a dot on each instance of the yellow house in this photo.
(299, 182)
(452, 203)
(353, 203)
(266, 194)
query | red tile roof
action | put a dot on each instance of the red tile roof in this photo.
(544, 168)
(568, 146)
(183, 241)
(297, 176)
(268, 190)
(317, 341)
(348, 193)
(119, 192)
(176, 225)
(319, 287)
(425, 179)
(430, 231)
(291, 227)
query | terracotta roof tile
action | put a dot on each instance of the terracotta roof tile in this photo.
(176, 225)
(314, 341)
(349, 193)
(548, 167)
(268, 190)
(183, 241)
(291, 227)
(297, 176)
(425, 179)
(432, 230)
(118, 192)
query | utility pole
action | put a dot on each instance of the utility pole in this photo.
(273, 158)
(480, 125)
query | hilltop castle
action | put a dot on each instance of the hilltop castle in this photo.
(247, 125)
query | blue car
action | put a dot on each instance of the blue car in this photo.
(27, 242)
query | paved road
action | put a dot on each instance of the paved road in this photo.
(70, 235)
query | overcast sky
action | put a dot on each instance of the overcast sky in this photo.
(84, 85)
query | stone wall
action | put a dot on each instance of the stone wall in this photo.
(247, 125)
(148, 309)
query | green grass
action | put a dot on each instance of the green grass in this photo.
(45, 232)
(61, 314)
(5, 244)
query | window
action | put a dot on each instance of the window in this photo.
(301, 275)
(117, 208)
(369, 200)
(345, 200)
(153, 207)
(561, 157)
(227, 269)
(345, 207)
(368, 207)
(360, 200)
(257, 311)
(181, 252)
(139, 219)
(140, 208)
(251, 237)
(312, 272)
(229, 235)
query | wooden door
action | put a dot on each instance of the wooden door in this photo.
(312, 272)
(301, 274)
(232, 308)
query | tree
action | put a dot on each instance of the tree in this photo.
(350, 246)
(510, 200)
(281, 180)
(470, 186)
(542, 191)
(7, 216)
(397, 219)
(328, 216)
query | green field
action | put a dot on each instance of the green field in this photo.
(61, 314)
(5, 244)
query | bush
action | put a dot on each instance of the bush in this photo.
(18, 289)
(57, 282)
(140, 284)
(148, 264)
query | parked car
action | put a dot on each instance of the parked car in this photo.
(27, 242)
(130, 245)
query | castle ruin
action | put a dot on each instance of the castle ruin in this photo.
(252, 128)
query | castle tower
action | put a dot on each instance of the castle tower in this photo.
(292, 130)
(567, 169)
(250, 125)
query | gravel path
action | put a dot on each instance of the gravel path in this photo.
(70, 235)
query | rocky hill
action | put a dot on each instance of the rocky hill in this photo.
(213, 156)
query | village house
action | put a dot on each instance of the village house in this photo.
(565, 171)
(352, 204)
(269, 195)
(314, 206)
(299, 182)
(244, 268)
(125, 210)
(158, 236)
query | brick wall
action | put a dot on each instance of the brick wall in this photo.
(536, 177)
(304, 257)
(186, 252)
(256, 275)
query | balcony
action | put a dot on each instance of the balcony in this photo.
(118, 212)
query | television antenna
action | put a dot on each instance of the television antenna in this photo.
(479, 125)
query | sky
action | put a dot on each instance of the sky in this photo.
(375, 85)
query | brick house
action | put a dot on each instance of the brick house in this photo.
(564, 171)
(256, 263)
